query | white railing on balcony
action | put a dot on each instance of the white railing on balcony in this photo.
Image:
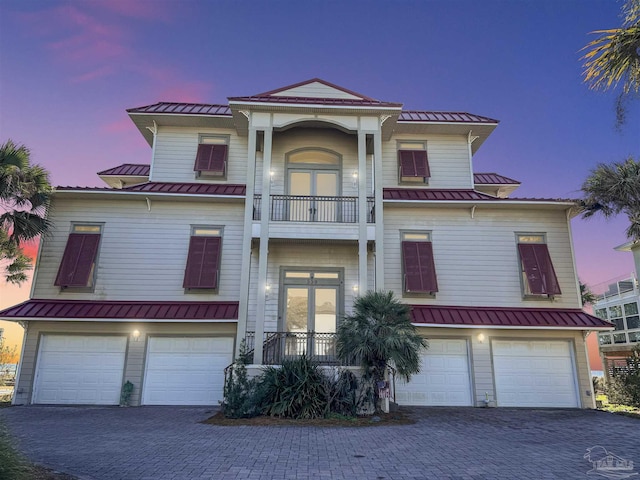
(320, 209)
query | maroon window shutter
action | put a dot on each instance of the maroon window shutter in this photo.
(203, 262)
(419, 267)
(414, 163)
(78, 260)
(211, 158)
(538, 269)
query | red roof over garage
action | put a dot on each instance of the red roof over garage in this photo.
(122, 310)
(505, 317)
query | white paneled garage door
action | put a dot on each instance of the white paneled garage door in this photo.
(534, 374)
(75, 369)
(443, 379)
(186, 370)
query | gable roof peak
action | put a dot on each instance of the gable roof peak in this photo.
(325, 90)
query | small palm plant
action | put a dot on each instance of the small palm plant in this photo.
(379, 332)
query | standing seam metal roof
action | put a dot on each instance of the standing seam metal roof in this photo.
(75, 309)
(505, 317)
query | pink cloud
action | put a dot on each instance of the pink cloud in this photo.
(93, 74)
(118, 126)
(139, 9)
(188, 92)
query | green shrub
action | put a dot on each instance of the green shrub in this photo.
(623, 387)
(12, 465)
(240, 392)
(296, 389)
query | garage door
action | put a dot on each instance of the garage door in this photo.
(443, 379)
(534, 374)
(186, 370)
(75, 369)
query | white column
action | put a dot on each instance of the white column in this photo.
(245, 269)
(377, 188)
(264, 246)
(362, 212)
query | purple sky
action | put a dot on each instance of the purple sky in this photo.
(68, 71)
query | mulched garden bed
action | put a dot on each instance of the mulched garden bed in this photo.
(401, 417)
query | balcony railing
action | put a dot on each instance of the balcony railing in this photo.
(320, 209)
(320, 347)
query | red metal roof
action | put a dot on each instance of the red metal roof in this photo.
(348, 102)
(433, 194)
(443, 117)
(78, 309)
(184, 109)
(493, 179)
(128, 169)
(192, 188)
(180, 188)
(505, 317)
(225, 111)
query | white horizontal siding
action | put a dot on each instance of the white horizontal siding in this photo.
(308, 256)
(448, 161)
(135, 358)
(482, 366)
(175, 155)
(284, 142)
(476, 259)
(142, 254)
(315, 90)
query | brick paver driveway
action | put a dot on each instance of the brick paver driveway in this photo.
(158, 443)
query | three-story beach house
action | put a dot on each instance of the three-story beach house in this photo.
(264, 218)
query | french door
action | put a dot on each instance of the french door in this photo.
(315, 185)
(310, 313)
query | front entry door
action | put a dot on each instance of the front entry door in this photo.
(316, 185)
(310, 313)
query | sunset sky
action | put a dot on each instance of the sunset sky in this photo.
(68, 71)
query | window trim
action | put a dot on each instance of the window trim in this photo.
(429, 240)
(524, 287)
(402, 145)
(213, 174)
(194, 234)
(93, 274)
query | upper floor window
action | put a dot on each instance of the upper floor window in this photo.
(203, 259)
(78, 265)
(418, 267)
(413, 164)
(211, 159)
(538, 275)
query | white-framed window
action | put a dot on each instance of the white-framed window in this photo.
(212, 156)
(413, 162)
(418, 266)
(202, 270)
(536, 269)
(78, 266)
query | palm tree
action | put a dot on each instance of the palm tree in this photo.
(24, 198)
(613, 189)
(614, 58)
(588, 297)
(379, 332)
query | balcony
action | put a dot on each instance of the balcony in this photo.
(320, 347)
(315, 209)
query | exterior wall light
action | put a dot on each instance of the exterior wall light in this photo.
(136, 335)
(481, 337)
(355, 288)
(354, 175)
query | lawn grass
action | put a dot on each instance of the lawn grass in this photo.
(12, 463)
(626, 410)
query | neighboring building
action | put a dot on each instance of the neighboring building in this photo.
(263, 219)
(620, 305)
